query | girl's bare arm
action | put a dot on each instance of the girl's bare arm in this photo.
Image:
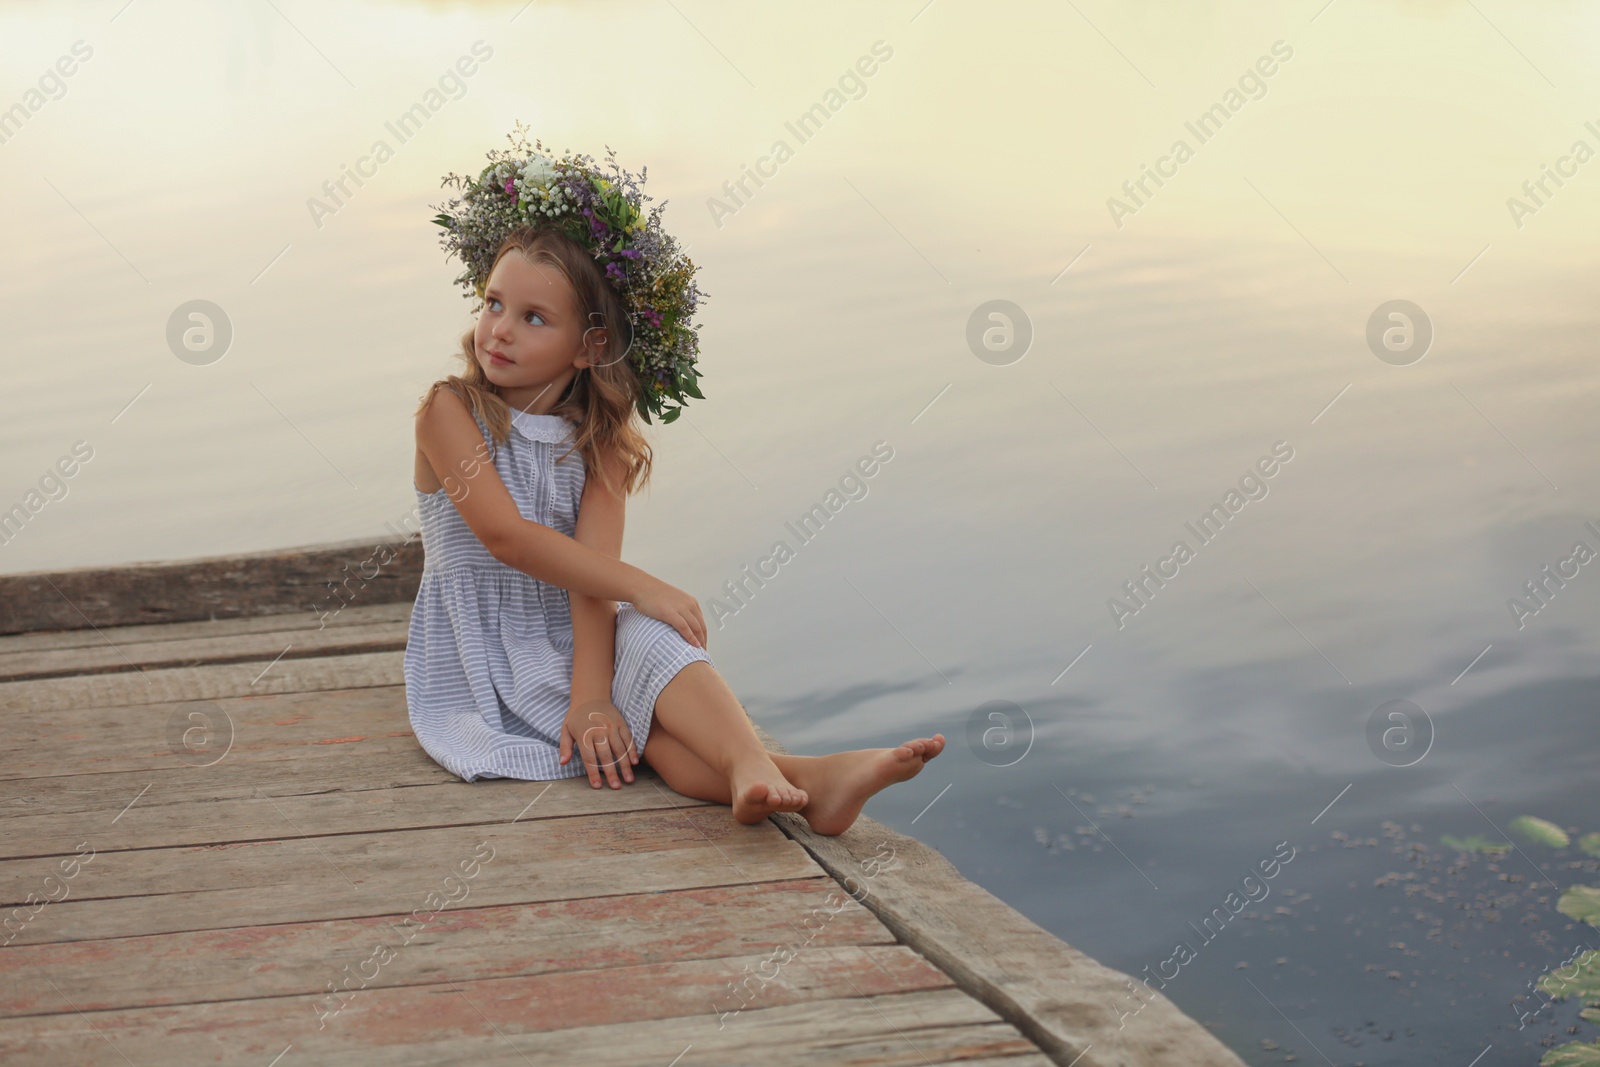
(454, 448)
(594, 620)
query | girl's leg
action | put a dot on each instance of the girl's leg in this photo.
(836, 786)
(681, 769)
(692, 776)
(699, 710)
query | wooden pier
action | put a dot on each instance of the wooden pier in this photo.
(221, 844)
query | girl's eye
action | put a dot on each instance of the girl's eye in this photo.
(492, 301)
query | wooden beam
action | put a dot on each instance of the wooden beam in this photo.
(313, 580)
(445, 1030)
(463, 942)
(170, 685)
(396, 872)
(109, 658)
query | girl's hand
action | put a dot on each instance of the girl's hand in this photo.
(601, 736)
(675, 608)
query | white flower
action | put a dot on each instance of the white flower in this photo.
(538, 171)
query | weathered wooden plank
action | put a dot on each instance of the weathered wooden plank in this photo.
(381, 570)
(463, 943)
(482, 1025)
(233, 801)
(1063, 1000)
(148, 891)
(355, 615)
(151, 737)
(170, 685)
(45, 809)
(259, 648)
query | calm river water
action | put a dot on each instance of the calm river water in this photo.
(1135, 729)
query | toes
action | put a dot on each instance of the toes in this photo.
(778, 798)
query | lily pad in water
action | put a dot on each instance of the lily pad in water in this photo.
(1474, 843)
(1540, 831)
(1590, 843)
(1573, 1055)
(1580, 978)
(1581, 902)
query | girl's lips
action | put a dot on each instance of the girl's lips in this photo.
(497, 358)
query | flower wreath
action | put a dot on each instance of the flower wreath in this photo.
(602, 211)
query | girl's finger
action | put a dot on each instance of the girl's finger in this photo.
(590, 763)
(608, 763)
(631, 752)
(700, 624)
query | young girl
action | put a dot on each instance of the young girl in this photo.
(531, 640)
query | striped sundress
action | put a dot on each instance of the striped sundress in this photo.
(488, 663)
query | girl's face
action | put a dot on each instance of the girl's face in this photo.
(529, 337)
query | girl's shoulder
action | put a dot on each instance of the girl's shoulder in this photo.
(448, 390)
(451, 396)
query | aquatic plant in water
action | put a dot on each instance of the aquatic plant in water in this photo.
(1474, 843)
(1539, 831)
(1581, 902)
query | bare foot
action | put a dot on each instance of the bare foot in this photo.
(759, 789)
(842, 782)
